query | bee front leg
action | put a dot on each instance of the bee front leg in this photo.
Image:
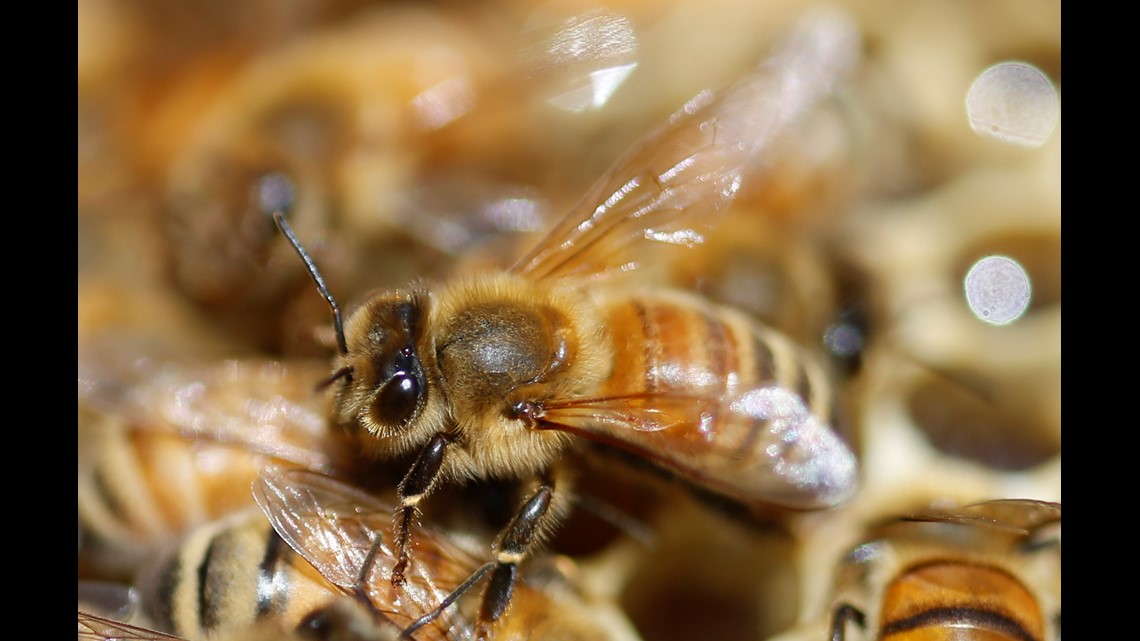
(415, 486)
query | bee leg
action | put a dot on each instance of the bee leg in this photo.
(415, 486)
(537, 514)
(541, 510)
(839, 618)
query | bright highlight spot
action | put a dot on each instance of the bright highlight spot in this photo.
(583, 57)
(843, 339)
(1013, 102)
(997, 290)
(275, 193)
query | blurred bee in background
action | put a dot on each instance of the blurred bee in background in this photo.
(167, 445)
(296, 574)
(95, 627)
(230, 575)
(987, 570)
(494, 376)
(373, 118)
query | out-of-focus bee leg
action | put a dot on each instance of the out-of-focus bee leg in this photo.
(415, 486)
(839, 618)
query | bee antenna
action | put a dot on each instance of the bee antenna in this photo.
(275, 195)
(451, 598)
(344, 372)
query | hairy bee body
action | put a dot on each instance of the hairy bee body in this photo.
(492, 344)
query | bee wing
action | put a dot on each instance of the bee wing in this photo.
(1025, 514)
(1016, 516)
(329, 524)
(334, 527)
(672, 187)
(93, 627)
(762, 446)
(251, 407)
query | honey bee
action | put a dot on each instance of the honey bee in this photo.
(990, 570)
(498, 375)
(169, 445)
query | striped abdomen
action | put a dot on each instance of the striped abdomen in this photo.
(723, 402)
(676, 342)
(959, 600)
(181, 447)
(229, 575)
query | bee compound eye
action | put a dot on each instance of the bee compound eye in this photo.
(397, 399)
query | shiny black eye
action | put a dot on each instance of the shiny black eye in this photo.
(397, 399)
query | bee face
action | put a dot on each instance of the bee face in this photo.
(385, 388)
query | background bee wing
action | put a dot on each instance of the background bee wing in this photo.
(330, 524)
(93, 627)
(1018, 516)
(256, 407)
(333, 526)
(762, 446)
(671, 187)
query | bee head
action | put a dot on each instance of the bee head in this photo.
(384, 389)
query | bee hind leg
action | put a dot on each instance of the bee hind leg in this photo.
(535, 518)
(537, 515)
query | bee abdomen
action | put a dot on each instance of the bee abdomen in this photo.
(146, 487)
(678, 343)
(228, 575)
(973, 597)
